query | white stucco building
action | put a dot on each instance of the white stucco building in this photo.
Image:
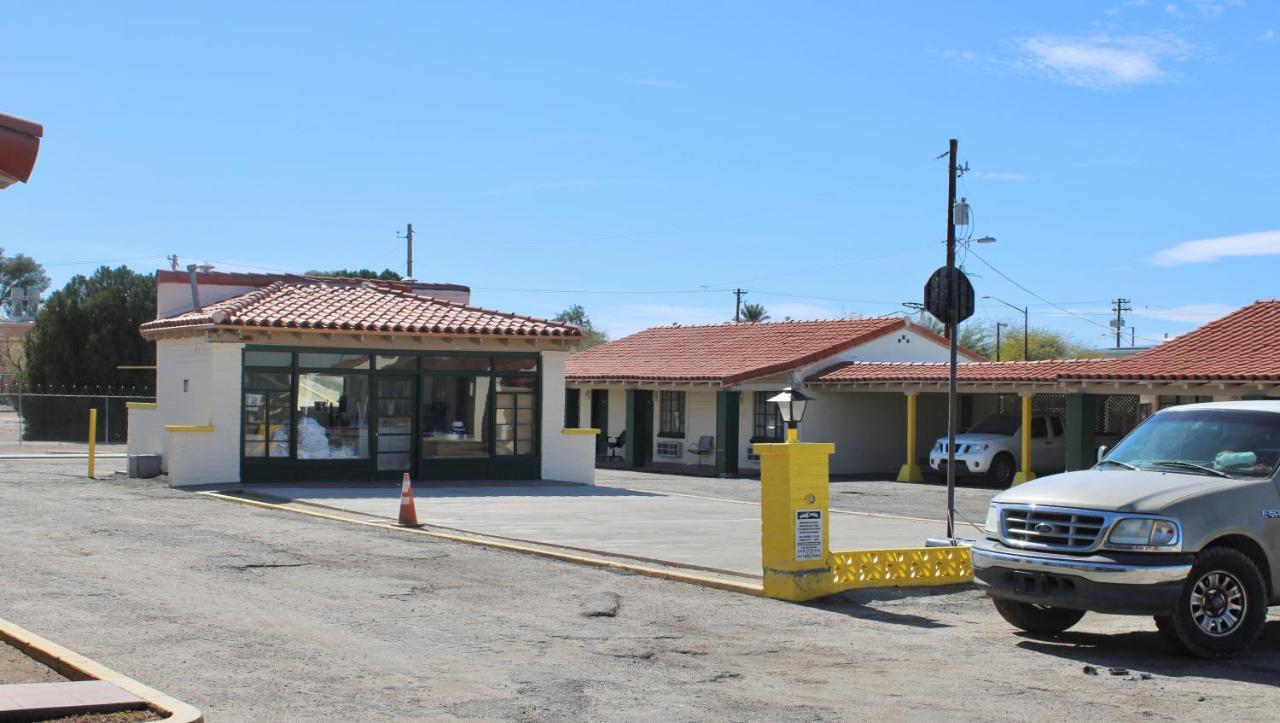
(268, 378)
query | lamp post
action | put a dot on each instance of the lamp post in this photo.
(791, 403)
(1024, 309)
(998, 325)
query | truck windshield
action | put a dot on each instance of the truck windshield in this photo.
(1233, 442)
(997, 424)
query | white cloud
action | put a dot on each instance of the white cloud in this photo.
(1002, 176)
(1102, 61)
(654, 83)
(1262, 243)
(1269, 35)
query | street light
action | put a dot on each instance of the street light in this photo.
(791, 403)
(1024, 309)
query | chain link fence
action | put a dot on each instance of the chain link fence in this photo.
(61, 413)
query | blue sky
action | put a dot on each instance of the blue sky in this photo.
(548, 153)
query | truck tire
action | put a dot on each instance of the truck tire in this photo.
(1221, 609)
(1039, 619)
(1002, 470)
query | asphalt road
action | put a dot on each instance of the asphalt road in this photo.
(255, 615)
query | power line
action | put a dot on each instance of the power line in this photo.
(1064, 310)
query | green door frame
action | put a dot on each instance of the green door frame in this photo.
(600, 419)
(639, 427)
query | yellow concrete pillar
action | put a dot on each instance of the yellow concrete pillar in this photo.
(794, 499)
(911, 471)
(1025, 474)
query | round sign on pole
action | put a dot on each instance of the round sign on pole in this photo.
(938, 295)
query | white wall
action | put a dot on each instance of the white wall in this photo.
(699, 420)
(175, 298)
(146, 436)
(210, 396)
(567, 458)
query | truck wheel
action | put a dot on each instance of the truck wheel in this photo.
(1221, 609)
(1002, 470)
(1040, 619)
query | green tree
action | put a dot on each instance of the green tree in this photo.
(90, 326)
(1042, 344)
(577, 316)
(20, 272)
(975, 335)
(385, 275)
(754, 312)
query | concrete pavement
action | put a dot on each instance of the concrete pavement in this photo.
(676, 529)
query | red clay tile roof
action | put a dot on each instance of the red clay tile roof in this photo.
(728, 353)
(1242, 346)
(1013, 371)
(357, 305)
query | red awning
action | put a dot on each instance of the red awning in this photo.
(19, 144)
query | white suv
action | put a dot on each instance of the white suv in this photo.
(993, 447)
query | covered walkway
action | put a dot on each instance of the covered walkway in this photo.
(1235, 357)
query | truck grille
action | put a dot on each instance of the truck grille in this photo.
(1051, 529)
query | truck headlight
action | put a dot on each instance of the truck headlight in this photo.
(993, 520)
(1144, 532)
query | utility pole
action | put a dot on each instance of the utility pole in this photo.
(1120, 306)
(1133, 337)
(737, 305)
(173, 261)
(408, 237)
(952, 172)
(998, 325)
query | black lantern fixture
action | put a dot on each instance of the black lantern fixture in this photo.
(791, 403)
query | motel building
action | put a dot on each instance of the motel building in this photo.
(698, 395)
(879, 391)
(280, 378)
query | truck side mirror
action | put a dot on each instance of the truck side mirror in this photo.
(1102, 451)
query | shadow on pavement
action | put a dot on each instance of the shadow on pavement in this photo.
(429, 490)
(1146, 651)
(856, 604)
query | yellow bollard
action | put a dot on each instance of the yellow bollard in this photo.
(794, 515)
(93, 438)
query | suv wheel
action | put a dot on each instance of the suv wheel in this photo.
(1002, 470)
(1222, 607)
(1040, 619)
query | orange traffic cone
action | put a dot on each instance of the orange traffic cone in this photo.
(408, 511)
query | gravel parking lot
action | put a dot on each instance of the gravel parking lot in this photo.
(256, 615)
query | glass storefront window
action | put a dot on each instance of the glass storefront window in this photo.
(397, 363)
(455, 363)
(453, 416)
(314, 360)
(268, 358)
(515, 423)
(266, 414)
(515, 364)
(332, 416)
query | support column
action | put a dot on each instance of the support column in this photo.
(911, 471)
(631, 455)
(1081, 438)
(1025, 474)
(794, 539)
(727, 406)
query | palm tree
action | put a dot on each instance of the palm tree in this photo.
(754, 312)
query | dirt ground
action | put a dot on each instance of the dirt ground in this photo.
(254, 615)
(17, 667)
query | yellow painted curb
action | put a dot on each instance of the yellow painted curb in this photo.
(580, 430)
(189, 427)
(711, 582)
(77, 667)
(141, 405)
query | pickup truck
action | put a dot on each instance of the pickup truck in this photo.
(1180, 521)
(993, 447)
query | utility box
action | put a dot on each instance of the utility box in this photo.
(144, 466)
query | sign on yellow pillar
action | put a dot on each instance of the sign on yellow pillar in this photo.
(911, 471)
(1025, 474)
(794, 522)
